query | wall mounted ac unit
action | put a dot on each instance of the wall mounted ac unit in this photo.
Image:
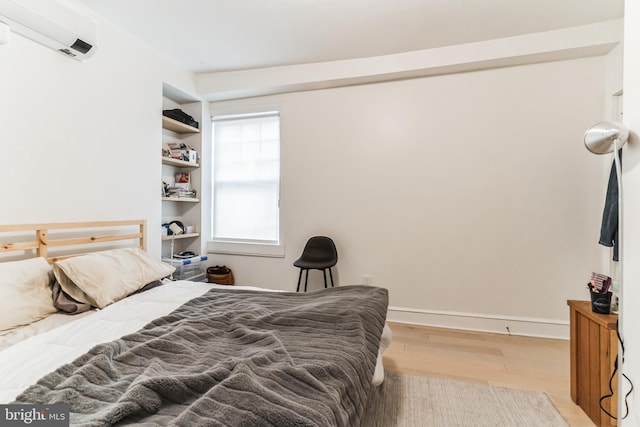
(53, 24)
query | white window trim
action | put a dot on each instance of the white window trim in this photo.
(269, 250)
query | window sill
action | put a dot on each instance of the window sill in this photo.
(246, 249)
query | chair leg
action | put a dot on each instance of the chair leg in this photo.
(299, 277)
(306, 279)
(331, 275)
(324, 273)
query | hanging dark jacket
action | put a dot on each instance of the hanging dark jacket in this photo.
(609, 227)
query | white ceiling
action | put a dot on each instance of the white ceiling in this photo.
(225, 35)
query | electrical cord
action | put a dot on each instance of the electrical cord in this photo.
(613, 375)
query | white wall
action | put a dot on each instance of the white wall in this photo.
(466, 195)
(81, 141)
(630, 315)
(470, 196)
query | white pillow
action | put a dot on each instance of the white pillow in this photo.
(25, 295)
(102, 278)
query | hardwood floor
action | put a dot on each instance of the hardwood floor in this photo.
(504, 360)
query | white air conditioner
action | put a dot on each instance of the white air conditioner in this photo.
(53, 24)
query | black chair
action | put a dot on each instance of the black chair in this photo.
(319, 253)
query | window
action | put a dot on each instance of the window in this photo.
(246, 183)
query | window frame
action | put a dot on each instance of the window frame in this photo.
(239, 246)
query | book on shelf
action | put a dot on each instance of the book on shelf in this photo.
(180, 193)
(183, 180)
(174, 150)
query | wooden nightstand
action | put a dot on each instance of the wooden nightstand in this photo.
(594, 347)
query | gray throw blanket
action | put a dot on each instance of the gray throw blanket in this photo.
(232, 358)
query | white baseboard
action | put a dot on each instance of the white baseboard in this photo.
(526, 326)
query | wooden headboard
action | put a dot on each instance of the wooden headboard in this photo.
(69, 234)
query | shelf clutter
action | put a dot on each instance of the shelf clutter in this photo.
(178, 193)
(178, 186)
(180, 151)
(186, 122)
(177, 127)
(182, 115)
(181, 156)
(192, 268)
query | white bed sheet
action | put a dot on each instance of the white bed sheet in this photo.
(50, 322)
(25, 362)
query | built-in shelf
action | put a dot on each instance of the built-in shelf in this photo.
(178, 127)
(178, 163)
(187, 210)
(181, 236)
(182, 199)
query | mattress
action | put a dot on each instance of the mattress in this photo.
(37, 350)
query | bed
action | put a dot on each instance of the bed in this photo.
(160, 352)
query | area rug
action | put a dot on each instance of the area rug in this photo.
(408, 401)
